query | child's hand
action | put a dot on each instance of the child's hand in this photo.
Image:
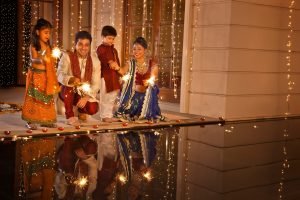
(114, 65)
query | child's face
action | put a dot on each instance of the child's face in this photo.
(83, 47)
(109, 40)
(44, 34)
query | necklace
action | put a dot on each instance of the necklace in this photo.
(141, 68)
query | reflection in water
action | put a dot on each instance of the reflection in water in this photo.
(37, 158)
(126, 165)
(77, 168)
(246, 160)
(249, 160)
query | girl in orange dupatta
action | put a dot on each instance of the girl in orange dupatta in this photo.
(41, 83)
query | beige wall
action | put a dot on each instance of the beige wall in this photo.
(237, 55)
(234, 66)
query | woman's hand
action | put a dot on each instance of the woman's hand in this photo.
(146, 83)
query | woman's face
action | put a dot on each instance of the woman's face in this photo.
(138, 51)
(44, 34)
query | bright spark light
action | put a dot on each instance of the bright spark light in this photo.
(126, 77)
(122, 179)
(81, 182)
(85, 87)
(151, 80)
(56, 52)
(148, 176)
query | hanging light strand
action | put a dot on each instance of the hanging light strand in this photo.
(72, 24)
(26, 35)
(290, 85)
(144, 18)
(80, 16)
(118, 24)
(173, 63)
(57, 23)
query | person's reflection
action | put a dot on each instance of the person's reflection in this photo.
(137, 152)
(38, 167)
(107, 165)
(78, 168)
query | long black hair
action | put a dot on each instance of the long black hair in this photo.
(40, 24)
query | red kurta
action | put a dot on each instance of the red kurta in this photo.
(106, 53)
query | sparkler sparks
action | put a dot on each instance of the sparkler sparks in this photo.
(56, 52)
(151, 80)
(81, 182)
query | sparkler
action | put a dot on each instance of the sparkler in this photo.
(81, 182)
(151, 81)
(83, 89)
(126, 77)
(122, 179)
(56, 52)
(147, 175)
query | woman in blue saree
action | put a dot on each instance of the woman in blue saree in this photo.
(138, 99)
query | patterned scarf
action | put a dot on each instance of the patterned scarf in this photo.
(76, 69)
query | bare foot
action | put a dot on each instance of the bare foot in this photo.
(31, 126)
(106, 119)
(82, 116)
(73, 121)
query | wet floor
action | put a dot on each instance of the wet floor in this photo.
(238, 160)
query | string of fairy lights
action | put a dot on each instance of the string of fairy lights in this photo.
(72, 23)
(126, 33)
(119, 7)
(57, 23)
(166, 45)
(80, 16)
(194, 42)
(9, 45)
(26, 35)
(145, 18)
(290, 84)
(35, 10)
(173, 62)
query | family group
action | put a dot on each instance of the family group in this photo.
(88, 83)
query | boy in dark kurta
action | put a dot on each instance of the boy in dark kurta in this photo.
(110, 84)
